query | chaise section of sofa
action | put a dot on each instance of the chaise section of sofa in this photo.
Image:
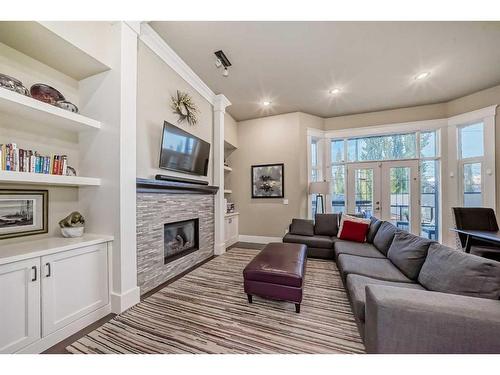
(401, 320)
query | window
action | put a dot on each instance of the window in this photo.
(338, 188)
(338, 177)
(386, 147)
(337, 151)
(429, 199)
(471, 155)
(428, 144)
(315, 169)
(472, 185)
(472, 141)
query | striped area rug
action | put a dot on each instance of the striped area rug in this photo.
(207, 311)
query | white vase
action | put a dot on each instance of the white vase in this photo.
(72, 232)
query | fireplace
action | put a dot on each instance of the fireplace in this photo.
(180, 239)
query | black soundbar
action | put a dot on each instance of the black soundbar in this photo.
(163, 177)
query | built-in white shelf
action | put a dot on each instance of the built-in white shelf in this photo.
(37, 41)
(13, 252)
(39, 112)
(9, 177)
(227, 191)
(227, 169)
(230, 214)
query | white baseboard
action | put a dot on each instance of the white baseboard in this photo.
(258, 239)
(124, 301)
(63, 333)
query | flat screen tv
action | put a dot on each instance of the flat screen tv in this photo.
(183, 152)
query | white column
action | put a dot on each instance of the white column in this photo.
(126, 293)
(220, 104)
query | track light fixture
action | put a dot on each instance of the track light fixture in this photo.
(222, 60)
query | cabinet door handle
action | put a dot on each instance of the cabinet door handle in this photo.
(35, 276)
(49, 270)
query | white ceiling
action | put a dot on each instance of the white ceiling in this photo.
(295, 64)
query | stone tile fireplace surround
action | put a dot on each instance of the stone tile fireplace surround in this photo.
(160, 203)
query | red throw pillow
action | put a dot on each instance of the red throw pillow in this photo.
(353, 231)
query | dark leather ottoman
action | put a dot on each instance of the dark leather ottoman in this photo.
(277, 272)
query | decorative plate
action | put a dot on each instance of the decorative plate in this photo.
(46, 94)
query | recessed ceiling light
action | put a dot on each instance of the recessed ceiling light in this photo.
(334, 91)
(266, 103)
(422, 75)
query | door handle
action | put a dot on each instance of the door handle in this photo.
(49, 270)
(35, 275)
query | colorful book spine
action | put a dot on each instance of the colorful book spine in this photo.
(16, 159)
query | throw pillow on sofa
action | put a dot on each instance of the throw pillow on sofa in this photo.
(453, 271)
(302, 227)
(326, 224)
(408, 253)
(353, 228)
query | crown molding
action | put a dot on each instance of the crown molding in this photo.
(156, 43)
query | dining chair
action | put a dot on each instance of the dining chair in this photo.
(477, 218)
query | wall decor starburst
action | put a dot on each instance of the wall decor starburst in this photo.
(184, 106)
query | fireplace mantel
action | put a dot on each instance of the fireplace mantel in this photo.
(145, 185)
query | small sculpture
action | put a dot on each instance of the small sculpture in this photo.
(72, 225)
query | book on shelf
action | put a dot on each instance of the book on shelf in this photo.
(15, 159)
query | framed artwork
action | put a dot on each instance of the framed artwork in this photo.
(23, 212)
(268, 181)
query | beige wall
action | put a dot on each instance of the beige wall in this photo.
(230, 130)
(156, 83)
(274, 139)
(423, 112)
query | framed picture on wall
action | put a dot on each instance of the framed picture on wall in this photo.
(23, 212)
(268, 181)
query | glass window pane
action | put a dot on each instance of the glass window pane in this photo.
(314, 153)
(337, 151)
(363, 189)
(472, 141)
(338, 188)
(428, 144)
(314, 175)
(472, 185)
(429, 199)
(387, 147)
(400, 197)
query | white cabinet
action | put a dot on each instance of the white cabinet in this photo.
(231, 229)
(74, 283)
(19, 304)
(54, 290)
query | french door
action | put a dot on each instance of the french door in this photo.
(387, 190)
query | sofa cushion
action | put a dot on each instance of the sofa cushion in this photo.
(326, 224)
(302, 227)
(408, 253)
(354, 248)
(381, 269)
(356, 285)
(354, 231)
(384, 236)
(372, 231)
(452, 271)
(356, 219)
(311, 241)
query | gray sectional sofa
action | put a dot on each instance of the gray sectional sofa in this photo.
(410, 294)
